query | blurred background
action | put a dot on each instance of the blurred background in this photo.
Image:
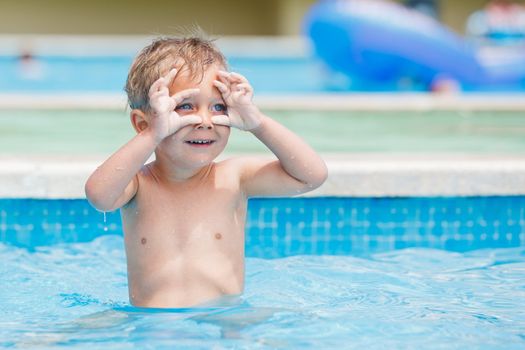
(415, 76)
(227, 17)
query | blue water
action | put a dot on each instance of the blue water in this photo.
(305, 74)
(74, 295)
(107, 74)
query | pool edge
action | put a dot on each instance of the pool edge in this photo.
(349, 175)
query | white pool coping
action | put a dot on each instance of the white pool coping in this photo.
(349, 176)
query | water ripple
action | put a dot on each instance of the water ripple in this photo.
(76, 295)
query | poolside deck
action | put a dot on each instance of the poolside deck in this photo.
(498, 172)
(355, 175)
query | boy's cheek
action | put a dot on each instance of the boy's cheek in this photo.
(179, 134)
(225, 130)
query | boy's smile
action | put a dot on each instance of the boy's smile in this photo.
(200, 143)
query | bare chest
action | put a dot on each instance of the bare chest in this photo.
(191, 222)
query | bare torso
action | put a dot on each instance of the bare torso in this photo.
(185, 241)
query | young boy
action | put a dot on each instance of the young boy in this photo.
(183, 214)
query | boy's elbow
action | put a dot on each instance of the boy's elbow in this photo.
(92, 195)
(96, 198)
(318, 177)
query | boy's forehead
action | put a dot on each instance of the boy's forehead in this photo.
(186, 80)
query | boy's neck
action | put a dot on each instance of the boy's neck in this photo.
(166, 170)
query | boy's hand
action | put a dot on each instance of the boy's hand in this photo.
(165, 120)
(237, 94)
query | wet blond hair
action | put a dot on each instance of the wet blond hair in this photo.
(195, 52)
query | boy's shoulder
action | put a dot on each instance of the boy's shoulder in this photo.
(233, 165)
(241, 163)
(242, 168)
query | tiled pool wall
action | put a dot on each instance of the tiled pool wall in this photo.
(278, 227)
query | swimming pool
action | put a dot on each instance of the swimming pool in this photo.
(394, 253)
(324, 272)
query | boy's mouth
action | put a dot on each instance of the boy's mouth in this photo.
(200, 142)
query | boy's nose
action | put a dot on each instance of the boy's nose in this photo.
(206, 122)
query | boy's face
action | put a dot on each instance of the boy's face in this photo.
(197, 145)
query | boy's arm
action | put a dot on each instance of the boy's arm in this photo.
(299, 168)
(114, 183)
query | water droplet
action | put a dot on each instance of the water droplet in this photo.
(292, 157)
(105, 220)
(119, 168)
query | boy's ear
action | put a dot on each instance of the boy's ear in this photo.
(138, 120)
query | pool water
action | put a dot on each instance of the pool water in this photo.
(74, 295)
(106, 73)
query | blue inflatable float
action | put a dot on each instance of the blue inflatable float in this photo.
(384, 43)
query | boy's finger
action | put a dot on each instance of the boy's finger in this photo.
(180, 96)
(237, 94)
(155, 95)
(221, 120)
(164, 81)
(156, 86)
(189, 120)
(238, 77)
(223, 73)
(224, 79)
(170, 76)
(221, 86)
(245, 86)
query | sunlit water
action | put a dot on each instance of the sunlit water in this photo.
(75, 296)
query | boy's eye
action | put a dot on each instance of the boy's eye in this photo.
(219, 107)
(184, 106)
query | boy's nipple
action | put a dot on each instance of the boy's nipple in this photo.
(143, 241)
(218, 235)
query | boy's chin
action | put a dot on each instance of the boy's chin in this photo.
(197, 160)
(200, 162)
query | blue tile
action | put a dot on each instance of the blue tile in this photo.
(287, 226)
